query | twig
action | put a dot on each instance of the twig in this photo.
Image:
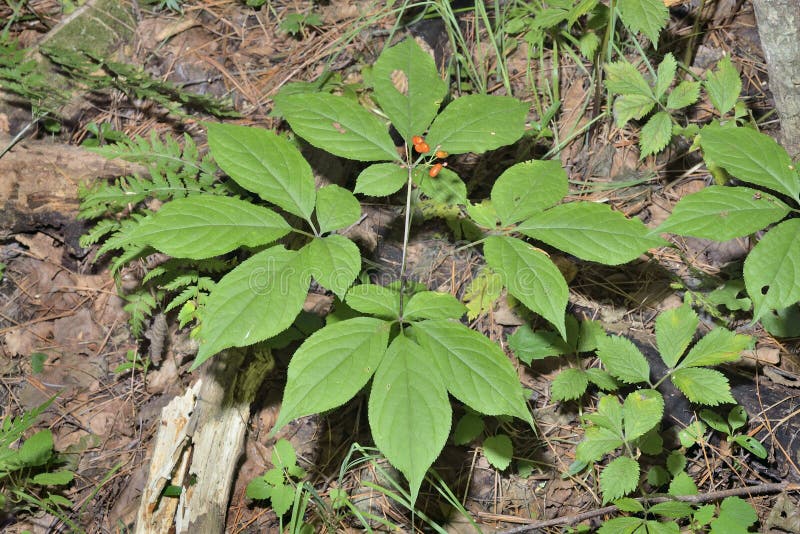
(749, 491)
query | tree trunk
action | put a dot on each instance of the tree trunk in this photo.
(779, 29)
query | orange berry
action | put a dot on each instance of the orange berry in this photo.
(435, 170)
(417, 139)
(422, 147)
(441, 154)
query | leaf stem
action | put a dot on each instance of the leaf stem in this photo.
(406, 231)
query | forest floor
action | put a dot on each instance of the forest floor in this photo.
(63, 329)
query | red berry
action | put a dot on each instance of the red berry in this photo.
(422, 147)
(417, 139)
(435, 170)
(441, 154)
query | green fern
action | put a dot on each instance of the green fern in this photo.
(140, 307)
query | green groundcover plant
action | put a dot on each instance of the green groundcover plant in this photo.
(408, 341)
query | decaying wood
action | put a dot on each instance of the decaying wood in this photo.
(39, 183)
(212, 440)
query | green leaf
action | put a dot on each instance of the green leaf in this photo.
(622, 525)
(569, 384)
(527, 188)
(498, 451)
(37, 449)
(772, 269)
(381, 179)
(752, 157)
(468, 428)
(623, 78)
(651, 444)
(672, 509)
(529, 345)
(735, 516)
(781, 323)
(58, 478)
(657, 476)
(703, 386)
(589, 332)
(751, 444)
(334, 261)
(202, 226)
(608, 414)
(257, 300)
(331, 366)
(692, 434)
(482, 214)
(265, 164)
(336, 208)
(283, 455)
(602, 379)
(641, 412)
(715, 421)
(258, 489)
(409, 411)
(656, 134)
(665, 74)
(685, 94)
(646, 16)
(623, 359)
(433, 305)
(598, 441)
(658, 527)
(676, 462)
(716, 347)
(591, 232)
(530, 276)
(682, 484)
(723, 86)
(281, 498)
(482, 293)
(337, 125)
(737, 417)
(722, 213)
(728, 295)
(446, 188)
(374, 300)
(477, 123)
(619, 478)
(628, 107)
(412, 107)
(626, 504)
(675, 329)
(475, 370)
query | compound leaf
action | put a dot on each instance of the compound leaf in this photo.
(202, 226)
(477, 123)
(530, 276)
(336, 208)
(408, 87)
(409, 411)
(526, 188)
(772, 269)
(337, 125)
(332, 365)
(334, 261)
(722, 213)
(623, 359)
(591, 232)
(752, 157)
(265, 164)
(703, 386)
(257, 300)
(619, 477)
(475, 369)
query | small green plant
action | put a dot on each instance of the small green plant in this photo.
(722, 212)
(133, 362)
(279, 483)
(737, 418)
(632, 424)
(29, 468)
(295, 23)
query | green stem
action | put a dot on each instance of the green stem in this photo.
(406, 232)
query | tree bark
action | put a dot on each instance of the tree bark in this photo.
(779, 29)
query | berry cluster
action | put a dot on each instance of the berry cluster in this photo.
(421, 147)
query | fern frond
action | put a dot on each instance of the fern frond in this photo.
(182, 297)
(101, 229)
(140, 307)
